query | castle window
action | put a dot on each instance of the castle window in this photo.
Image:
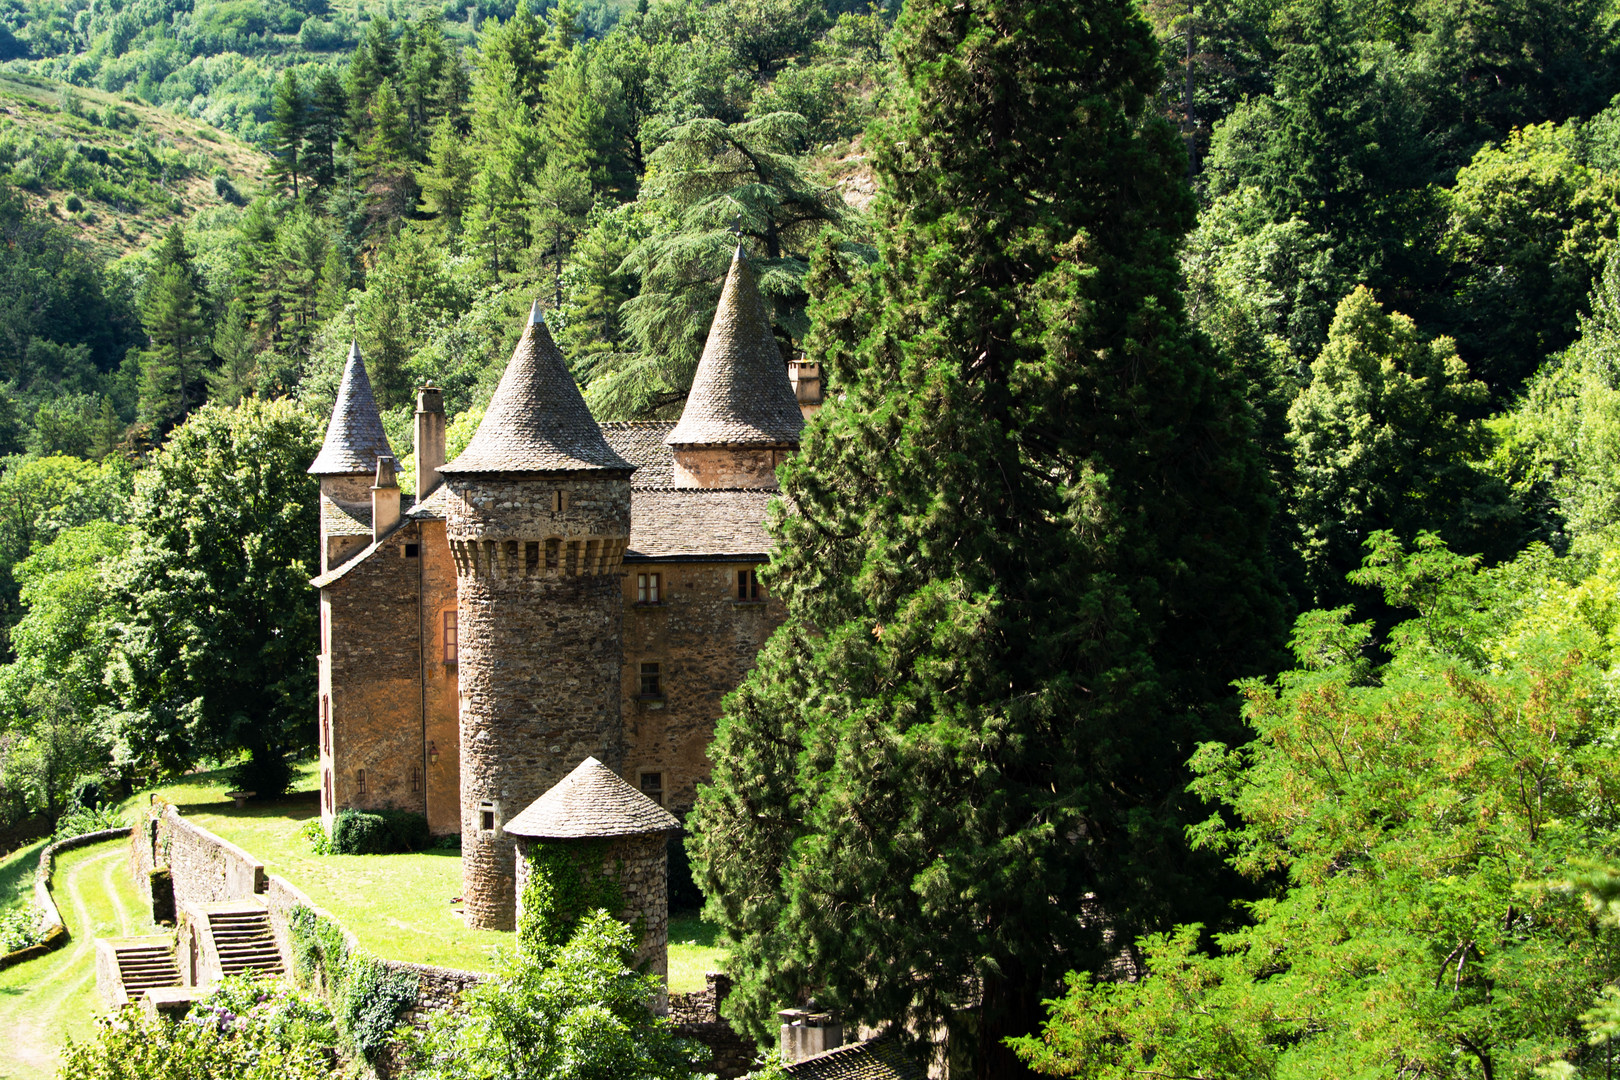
(451, 647)
(416, 779)
(326, 787)
(360, 782)
(326, 725)
(486, 816)
(551, 553)
(652, 681)
(559, 501)
(531, 557)
(647, 588)
(413, 550)
(748, 586)
(652, 786)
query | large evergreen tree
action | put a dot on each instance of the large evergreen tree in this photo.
(1025, 563)
(174, 364)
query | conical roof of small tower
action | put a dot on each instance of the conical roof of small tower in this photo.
(354, 438)
(589, 802)
(741, 394)
(538, 420)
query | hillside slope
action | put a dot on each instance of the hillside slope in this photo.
(114, 170)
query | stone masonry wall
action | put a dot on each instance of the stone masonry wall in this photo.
(705, 642)
(727, 466)
(696, 1016)
(542, 648)
(371, 683)
(206, 868)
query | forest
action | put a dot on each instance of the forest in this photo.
(1203, 584)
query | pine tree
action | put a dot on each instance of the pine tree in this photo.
(1025, 564)
(173, 364)
(237, 374)
(447, 181)
(328, 111)
(289, 125)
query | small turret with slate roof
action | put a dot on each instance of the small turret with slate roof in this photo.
(537, 515)
(347, 464)
(742, 417)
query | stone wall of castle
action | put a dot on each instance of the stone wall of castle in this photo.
(704, 641)
(727, 466)
(541, 621)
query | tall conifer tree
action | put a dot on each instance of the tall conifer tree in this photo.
(1025, 563)
(174, 363)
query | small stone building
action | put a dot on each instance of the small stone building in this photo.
(592, 804)
(563, 589)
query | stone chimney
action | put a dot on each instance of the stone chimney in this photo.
(384, 499)
(429, 439)
(806, 1033)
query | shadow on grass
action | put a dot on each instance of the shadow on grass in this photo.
(688, 928)
(17, 874)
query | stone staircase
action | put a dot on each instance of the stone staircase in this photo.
(244, 942)
(147, 966)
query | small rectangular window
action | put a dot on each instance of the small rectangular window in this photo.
(416, 779)
(326, 725)
(652, 681)
(326, 787)
(551, 553)
(748, 586)
(647, 588)
(360, 782)
(531, 557)
(486, 816)
(413, 550)
(451, 644)
(652, 786)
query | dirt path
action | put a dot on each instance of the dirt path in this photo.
(54, 987)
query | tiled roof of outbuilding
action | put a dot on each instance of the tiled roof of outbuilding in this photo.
(703, 522)
(641, 443)
(537, 421)
(590, 802)
(354, 437)
(876, 1059)
(741, 394)
(354, 519)
(433, 507)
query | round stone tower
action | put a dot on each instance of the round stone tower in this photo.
(592, 804)
(537, 516)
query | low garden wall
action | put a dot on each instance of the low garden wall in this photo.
(56, 934)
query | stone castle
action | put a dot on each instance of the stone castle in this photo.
(562, 590)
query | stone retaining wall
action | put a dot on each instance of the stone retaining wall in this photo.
(56, 934)
(696, 1016)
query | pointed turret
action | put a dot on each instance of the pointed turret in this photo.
(538, 420)
(354, 438)
(741, 395)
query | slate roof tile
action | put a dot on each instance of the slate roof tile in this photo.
(875, 1059)
(641, 443)
(537, 420)
(700, 522)
(591, 802)
(354, 436)
(740, 395)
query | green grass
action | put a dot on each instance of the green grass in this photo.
(17, 875)
(46, 1001)
(399, 906)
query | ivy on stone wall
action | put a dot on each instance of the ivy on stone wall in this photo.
(566, 883)
(368, 998)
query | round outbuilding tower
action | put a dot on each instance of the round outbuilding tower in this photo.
(537, 517)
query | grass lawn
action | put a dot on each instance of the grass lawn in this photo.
(17, 875)
(397, 905)
(54, 997)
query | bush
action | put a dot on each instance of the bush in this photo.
(81, 820)
(20, 929)
(378, 832)
(74, 204)
(313, 833)
(266, 773)
(227, 191)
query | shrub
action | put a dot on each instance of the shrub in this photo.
(313, 833)
(378, 832)
(227, 191)
(565, 885)
(20, 929)
(74, 204)
(81, 820)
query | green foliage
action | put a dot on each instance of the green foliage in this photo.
(1409, 820)
(20, 929)
(378, 832)
(1383, 439)
(214, 657)
(566, 883)
(368, 998)
(1030, 479)
(314, 834)
(248, 1029)
(579, 1013)
(80, 820)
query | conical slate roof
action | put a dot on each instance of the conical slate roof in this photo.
(537, 421)
(741, 394)
(591, 802)
(354, 437)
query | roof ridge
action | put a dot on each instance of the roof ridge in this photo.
(740, 394)
(355, 438)
(537, 420)
(591, 801)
